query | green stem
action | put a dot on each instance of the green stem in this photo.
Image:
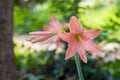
(78, 66)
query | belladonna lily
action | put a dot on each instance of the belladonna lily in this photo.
(50, 33)
(79, 40)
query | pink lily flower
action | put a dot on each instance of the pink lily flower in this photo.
(79, 40)
(50, 33)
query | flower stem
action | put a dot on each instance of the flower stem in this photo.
(78, 66)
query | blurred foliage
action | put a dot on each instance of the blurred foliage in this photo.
(33, 18)
(107, 19)
(26, 20)
(43, 65)
(32, 15)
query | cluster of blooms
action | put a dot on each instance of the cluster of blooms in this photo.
(78, 39)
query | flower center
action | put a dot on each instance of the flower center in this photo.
(78, 37)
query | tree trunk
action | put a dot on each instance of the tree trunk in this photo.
(7, 57)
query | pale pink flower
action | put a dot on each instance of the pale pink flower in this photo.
(50, 33)
(79, 40)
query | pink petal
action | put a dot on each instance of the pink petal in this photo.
(57, 42)
(70, 51)
(64, 36)
(92, 33)
(32, 38)
(81, 53)
(76, 26)
(48, 28)
(90, 45)
(49, 40)
(52, 18)
(54, 22)
(40, 39)
(39, 33)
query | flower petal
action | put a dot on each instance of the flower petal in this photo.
(32, 38)
(40, 39)
(48, 28)
(90, 45)
(57, 42)
(40, 33)
(64, 36)
(49, 40)
(70, 51)
(92, 33)
(54, 22)
(81, 53)
(76, 26)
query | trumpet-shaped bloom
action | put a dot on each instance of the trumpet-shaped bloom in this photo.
(79, 40)
(49, 34)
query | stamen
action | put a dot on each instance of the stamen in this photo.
(78, 37)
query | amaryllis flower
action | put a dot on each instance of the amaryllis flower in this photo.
(79, 40)
(50, 34)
